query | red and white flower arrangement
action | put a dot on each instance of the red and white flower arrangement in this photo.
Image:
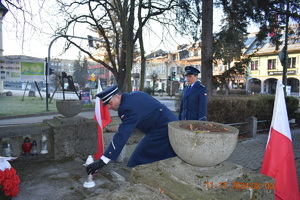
(9, 180)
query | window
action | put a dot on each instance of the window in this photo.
(163, 70)
(222, 68)
(183, 54)
(178, 70)
(254, 65)
(292, 63)
(159, 70)
(172, 69)
(174, 57)
(196, 53)
(272, 64)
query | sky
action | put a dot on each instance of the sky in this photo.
(36, 43)
(34, 37)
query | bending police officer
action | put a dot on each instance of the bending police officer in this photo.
(137, 110)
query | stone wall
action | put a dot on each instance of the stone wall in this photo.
(66, 137)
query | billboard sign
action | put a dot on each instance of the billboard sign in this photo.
(19, 70)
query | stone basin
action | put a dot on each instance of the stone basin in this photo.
(69, 107)
(202, 148)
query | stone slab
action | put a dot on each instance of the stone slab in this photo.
(73, 136)
(59, 120)
(134, 192)
(180, 180)
(24, 130)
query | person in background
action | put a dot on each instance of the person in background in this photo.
(137, 110)
(194, 97)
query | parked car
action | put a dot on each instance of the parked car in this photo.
(51, 89)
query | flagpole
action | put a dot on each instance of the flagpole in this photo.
(286, 58)
(102, 116)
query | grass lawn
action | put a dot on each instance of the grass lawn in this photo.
(11, 106)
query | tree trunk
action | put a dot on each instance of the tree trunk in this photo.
(207, 45)
(120, 77)
(141, 42)
(130, 45)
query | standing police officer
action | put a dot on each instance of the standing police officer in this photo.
(137, 110)
(194, 97)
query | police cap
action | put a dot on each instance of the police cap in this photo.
(191, 70)
(108, 93)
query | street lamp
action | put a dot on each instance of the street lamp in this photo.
(3, 11)
(48, 63)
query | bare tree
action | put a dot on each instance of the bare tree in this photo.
(114, 22)
(154, 10)
(29, 20)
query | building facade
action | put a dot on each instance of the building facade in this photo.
(263, 70)
(266, 66)
(99, 72)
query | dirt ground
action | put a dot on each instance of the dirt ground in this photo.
(204, 127)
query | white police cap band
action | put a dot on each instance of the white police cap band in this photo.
(109, 96)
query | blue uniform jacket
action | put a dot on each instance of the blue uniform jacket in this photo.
(140, 110)
(193, 103)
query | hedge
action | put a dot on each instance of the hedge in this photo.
(234, 109)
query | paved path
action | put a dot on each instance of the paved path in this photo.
(249, 153)
(39, 118)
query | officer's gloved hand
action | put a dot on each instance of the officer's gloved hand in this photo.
(91, 168)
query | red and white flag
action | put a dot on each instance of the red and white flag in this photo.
(102, 116)
(279, 158)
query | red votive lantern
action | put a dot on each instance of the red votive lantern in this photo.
(26, 146)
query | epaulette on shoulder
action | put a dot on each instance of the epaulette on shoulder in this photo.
(201, 84)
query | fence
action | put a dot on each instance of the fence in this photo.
(252, 126)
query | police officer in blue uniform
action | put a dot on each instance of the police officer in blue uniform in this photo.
(194, 97)
(137, 110)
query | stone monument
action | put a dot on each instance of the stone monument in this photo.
(201, 171)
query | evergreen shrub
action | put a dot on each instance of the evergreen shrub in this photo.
(231, 92)
(234, 109)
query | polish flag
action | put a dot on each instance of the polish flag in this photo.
(102, 116)
(279, 158)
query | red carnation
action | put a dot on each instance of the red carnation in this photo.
(10, 182)
(1, 177)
